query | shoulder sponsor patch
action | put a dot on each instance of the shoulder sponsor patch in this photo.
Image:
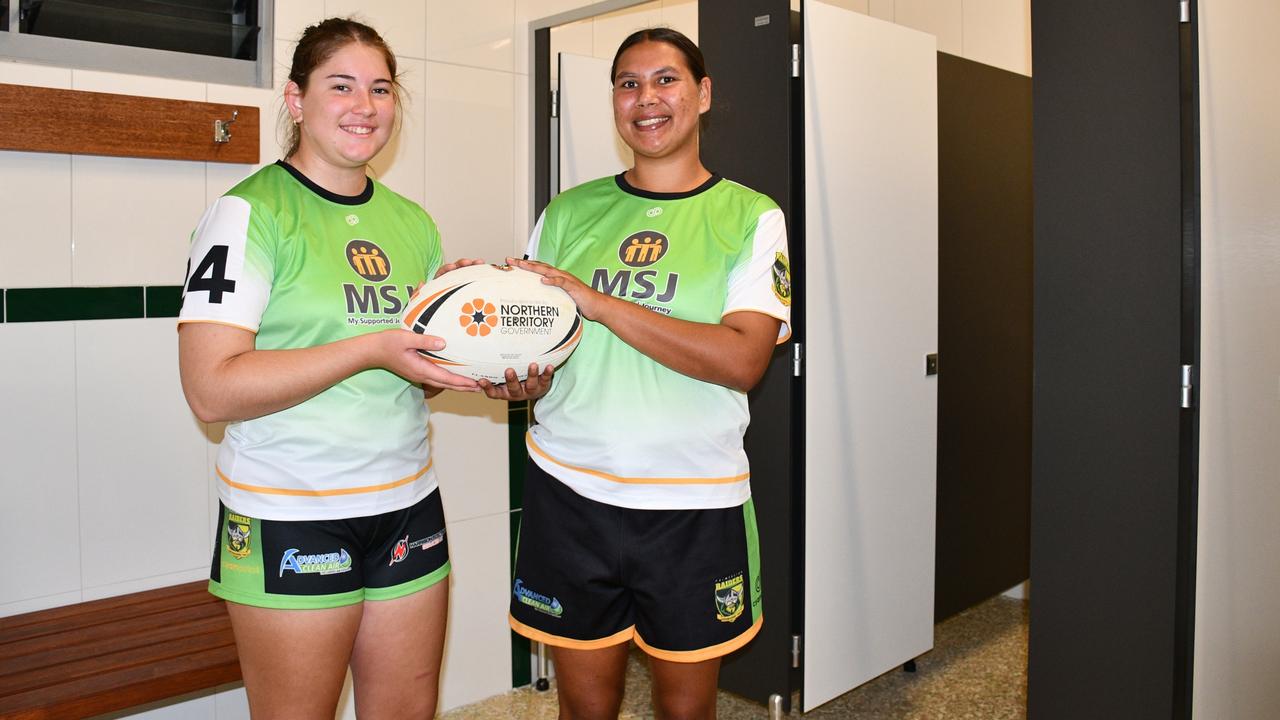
(782, 278)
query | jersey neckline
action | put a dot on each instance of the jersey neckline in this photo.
(364, 196)
(630, 189)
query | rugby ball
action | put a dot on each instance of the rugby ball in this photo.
(494, 317)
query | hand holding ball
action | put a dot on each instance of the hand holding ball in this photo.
(494, 317)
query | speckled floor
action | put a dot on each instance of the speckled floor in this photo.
(976, 671)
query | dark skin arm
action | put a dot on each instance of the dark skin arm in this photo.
(733, 352)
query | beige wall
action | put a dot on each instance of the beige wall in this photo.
(1237, 642)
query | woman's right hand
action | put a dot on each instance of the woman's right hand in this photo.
(397, 350)
(531, 388)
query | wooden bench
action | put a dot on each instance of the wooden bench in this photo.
(96, 657)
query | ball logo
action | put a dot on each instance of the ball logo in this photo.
(478, 317)
(368, 260)
(643, 248)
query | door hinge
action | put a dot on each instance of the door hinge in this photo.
(555, 103)
(795, 651)
(797, 359)
(795, 60)
(1188, 385)
(1184, 11)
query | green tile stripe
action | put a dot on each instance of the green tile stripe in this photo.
(521, 667)
(163, 300)
(58, 304)
(517, 424)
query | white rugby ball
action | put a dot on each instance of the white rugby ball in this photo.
(494, 317)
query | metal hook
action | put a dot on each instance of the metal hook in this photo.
(222, 128)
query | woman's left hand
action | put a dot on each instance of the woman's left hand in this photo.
(591, 303)
(531, 388)
(459, 263)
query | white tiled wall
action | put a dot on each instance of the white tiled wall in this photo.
(478, 645)
(608, 31)
(131, 219)
(39, 500)
(478, 33)
(469, 158)
(35, 194)
(993, 32)
(402, 23)
(940, 18)
(141, 457)
(401, 165)
(473, 483)
(998, 32)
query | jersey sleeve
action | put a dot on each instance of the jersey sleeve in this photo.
(761, 278)
(434, 247)
(229, 273)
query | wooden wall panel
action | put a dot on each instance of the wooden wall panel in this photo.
(36, 119)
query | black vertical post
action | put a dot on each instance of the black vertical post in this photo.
(1189, 462)
(1106, 497)
(541, 120)
(747, 45)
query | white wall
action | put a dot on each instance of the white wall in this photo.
(1237, 635)
(993, 32)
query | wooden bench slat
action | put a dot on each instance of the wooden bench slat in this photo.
(104, 637)
(157, 656)
(117, 690)
(53, 654)
(92, 606)
(60, 620)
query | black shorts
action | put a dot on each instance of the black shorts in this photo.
(684, 584)
(308, 564)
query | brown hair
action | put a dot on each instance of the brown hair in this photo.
(320, 42)
(675, 38)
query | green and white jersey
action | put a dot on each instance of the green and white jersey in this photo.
(300, 266)
(617, 426)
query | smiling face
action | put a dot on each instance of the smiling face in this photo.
(657, 101)
(347, 111)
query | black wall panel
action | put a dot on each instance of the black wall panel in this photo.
(749, 141)
(1105, 421)
(984, 332)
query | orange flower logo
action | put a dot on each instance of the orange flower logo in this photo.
(478, 317)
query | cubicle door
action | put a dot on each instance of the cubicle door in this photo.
(871, 223)
(589, 144)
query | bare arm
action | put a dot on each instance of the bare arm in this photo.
(225, 378)
(733, 352)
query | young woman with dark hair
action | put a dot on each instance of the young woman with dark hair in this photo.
(637, 521)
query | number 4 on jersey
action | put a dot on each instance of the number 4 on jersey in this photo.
(211, 275)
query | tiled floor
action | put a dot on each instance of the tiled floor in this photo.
(976, 671)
